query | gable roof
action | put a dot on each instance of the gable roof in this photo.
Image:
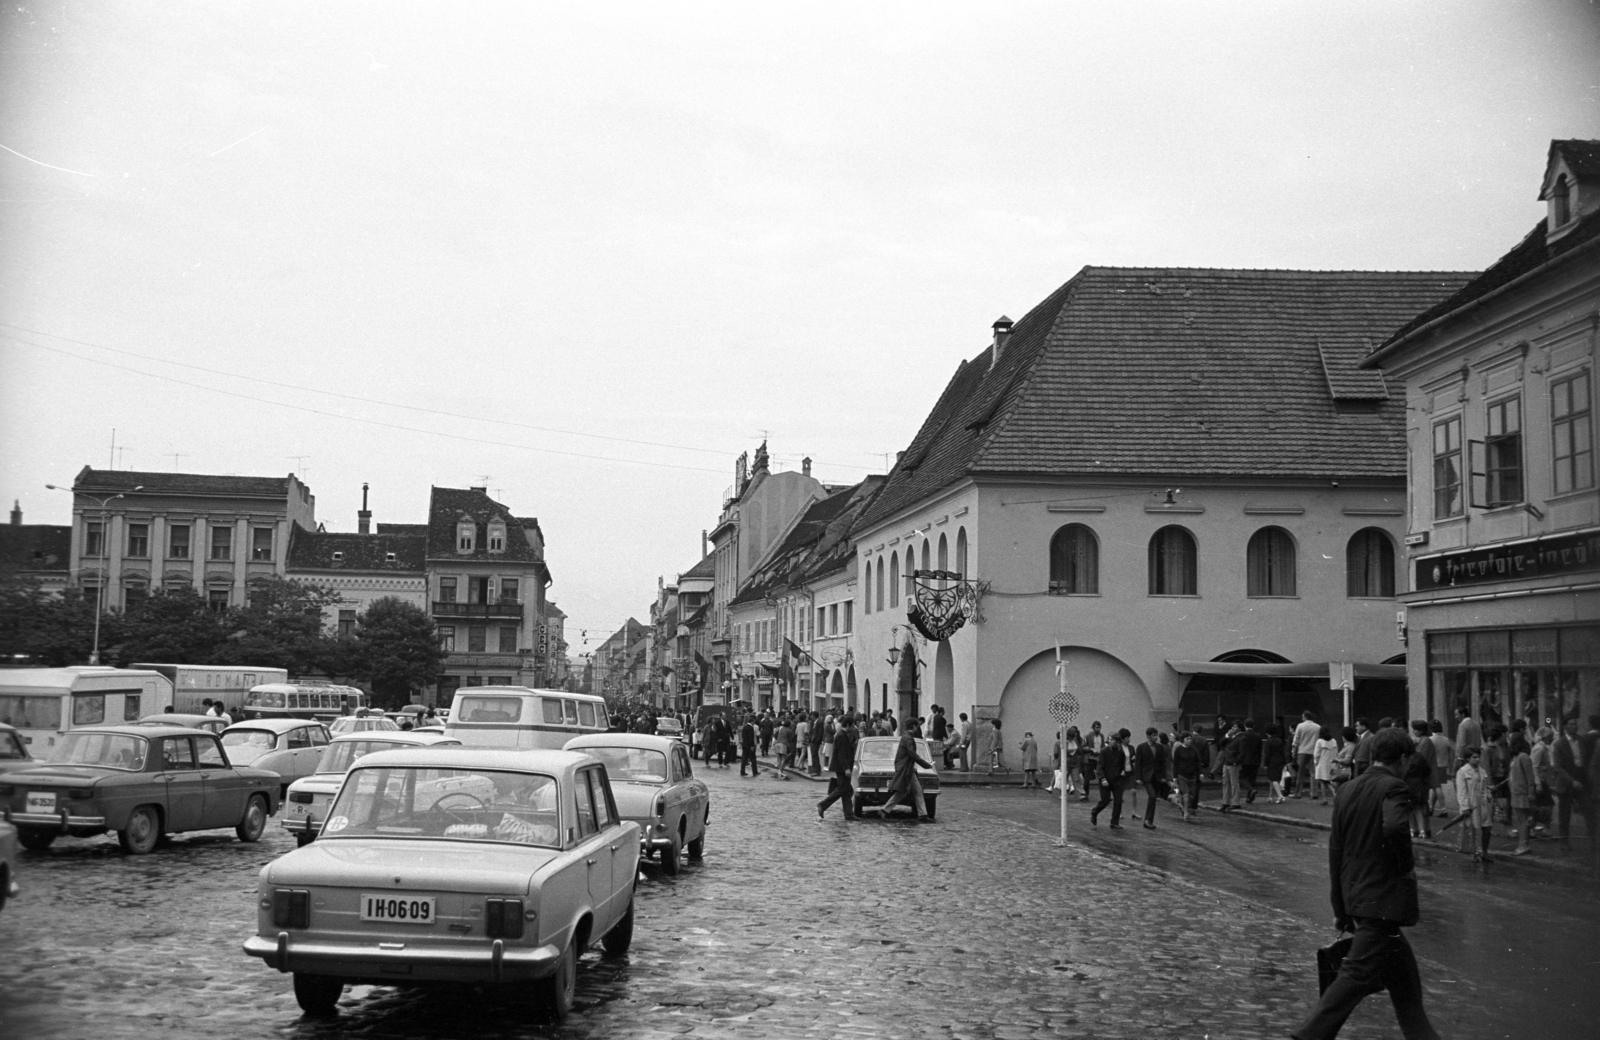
(706, 568)
(819, 543)
(95, 480)
(315, 550)
(450, 506)
(1175, 371)
(35, 547)
(1582, 158)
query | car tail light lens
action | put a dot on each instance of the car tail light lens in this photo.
(80, 792)
(661, 805)
(502, 918)
(300, 796)
(291, 908)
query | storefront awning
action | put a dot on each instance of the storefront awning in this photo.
(1305, 670)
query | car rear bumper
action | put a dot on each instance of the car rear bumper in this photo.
(491, 962)
(58, 819)
(302, 824)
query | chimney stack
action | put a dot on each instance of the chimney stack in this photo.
(703, 542)
(1002, 333)
(364, 515)
(16, 512)
(805, 466)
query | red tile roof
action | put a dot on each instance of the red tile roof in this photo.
(1176, 372)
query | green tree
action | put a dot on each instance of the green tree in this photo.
(282, 627)
(396, 651)
(40, 628)
(176, 626)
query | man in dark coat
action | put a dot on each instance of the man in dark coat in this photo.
(1374, 895)
(843, 761)
(1111, 768)
(1249, 759)
(747, 747)
(1151, 766)
(904, 786)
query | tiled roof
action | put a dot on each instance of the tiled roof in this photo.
(1528, 255)
(316, 550)
(35, 547)
(416, 529)
(1173, 371)
(449, 506)
(706, 568)
(1347, 381)
(817, 545)
(553, 611)
(1583, 157)
(96, 480)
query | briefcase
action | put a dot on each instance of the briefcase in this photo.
(1329, 958)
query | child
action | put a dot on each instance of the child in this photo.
(1030, 760)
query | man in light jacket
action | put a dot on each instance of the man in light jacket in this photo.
(1305, 747)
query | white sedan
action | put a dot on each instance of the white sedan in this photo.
(657, 789)
(453, 865)
(310, 796)
(292, 748)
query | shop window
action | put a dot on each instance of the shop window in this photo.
(1447, 468)
(1369, 564)
(1572, 434)
(1269, 563)
(1074, 561)
(1502, 450)
(1173, 563)
(138, 539)
(178, 541)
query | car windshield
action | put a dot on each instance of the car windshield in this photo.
(448, 804)
(881, 750)
(113, 750)
(342, 753)
(665, 726)
(639, 765)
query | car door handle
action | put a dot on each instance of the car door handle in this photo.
(591, 862)
(616, 847)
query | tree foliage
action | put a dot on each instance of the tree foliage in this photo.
(396, 651)
(40, 628)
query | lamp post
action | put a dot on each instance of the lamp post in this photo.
(103, 555)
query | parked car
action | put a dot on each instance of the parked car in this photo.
(310, 796)
(874, 769)
(8, 864)
(14, 752)
(361, 724)
(292, 748)
(140, 781)
(209, 723)
(453, 865)
(656, 788)
(670, 728)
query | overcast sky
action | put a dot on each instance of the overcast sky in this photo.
(588, 253)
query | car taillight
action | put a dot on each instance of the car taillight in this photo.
(502, 918)
(80, 792)
(291, 908)
(300, 796)
(661, 805)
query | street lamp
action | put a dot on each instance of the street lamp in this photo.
(105, 566)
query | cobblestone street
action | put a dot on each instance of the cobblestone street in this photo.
(972, 927)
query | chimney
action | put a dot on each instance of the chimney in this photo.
(364, 515)
(479, 490)
(703, 543)
(16, 513)
(805, 466)
(1002, 333)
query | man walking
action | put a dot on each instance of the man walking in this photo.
(1112, 768)
(1186, 770)
(1151, 765)
(1249, 759)
(1374, 895)
(844, 759)
(747, 748)
(1468, 734)
(1305, 746)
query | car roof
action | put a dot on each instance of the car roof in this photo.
(276, 725)
(398, 736)
(629, 740)
(175, 719)
(532, 760)
(134, 730)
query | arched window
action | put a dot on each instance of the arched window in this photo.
(880, 583)
(1369, 564)
(1172, 563)
(894, 580)
(911, 565)
(944, 553)
(927, 564)
(1269, 563)
(1074, 561)
(961, 552)
(866, 590)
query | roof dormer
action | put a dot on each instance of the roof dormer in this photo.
(1571, 187)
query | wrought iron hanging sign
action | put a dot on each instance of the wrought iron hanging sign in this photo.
(941, 602)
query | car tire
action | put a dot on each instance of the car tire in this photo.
(143, 832)
(669, 859)
(617, 941)
(557, 991)
(304, 838)
(35, 839)
(317, 994)
(255, 820)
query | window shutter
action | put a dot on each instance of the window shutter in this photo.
(1478, 469)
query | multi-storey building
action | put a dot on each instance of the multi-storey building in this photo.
(551, 649)
(135, 532)
(36, 552)
(1177, 479)
(691, 655)
(1503, 524)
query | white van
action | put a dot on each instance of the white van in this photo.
(519, 717)
(44, 703)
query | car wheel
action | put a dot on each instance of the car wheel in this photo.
(304, 838)
(669, 859)
(35, 839)
(617, 941)
(317, 994)
(143, 831)
(255, 819)
(557, 991)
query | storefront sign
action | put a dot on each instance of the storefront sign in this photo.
(1545, 557)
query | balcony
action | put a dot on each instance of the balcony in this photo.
(477, 610)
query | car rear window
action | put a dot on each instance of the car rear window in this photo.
(449, 804)
(489, 709)
(637, 764)
(114, 750)
(255, 738)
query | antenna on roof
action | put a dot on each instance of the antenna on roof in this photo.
(300, 463)
(175, 456)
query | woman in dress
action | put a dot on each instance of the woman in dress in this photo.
(1323, 754)
(1072, 763)
(1030, 760)
(1472, 798)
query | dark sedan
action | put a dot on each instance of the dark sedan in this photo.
(139, 781)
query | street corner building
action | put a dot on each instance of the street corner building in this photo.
(1182, 478)
(1503, 528)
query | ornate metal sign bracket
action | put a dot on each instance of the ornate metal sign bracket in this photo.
(941, 602)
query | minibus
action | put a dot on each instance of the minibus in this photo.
(520, 717)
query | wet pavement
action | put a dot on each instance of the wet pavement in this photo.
(973, 927)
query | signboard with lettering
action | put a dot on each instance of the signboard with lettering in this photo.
(1544, 557)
